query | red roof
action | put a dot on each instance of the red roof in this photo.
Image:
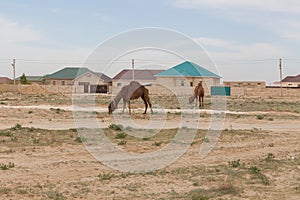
(139, 74)
(292, 79)
(4, 80)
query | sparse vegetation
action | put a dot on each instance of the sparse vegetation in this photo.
(7, 166)
(270, 157)
(55, 195)
(121, 135)
(157, 143)
(260, 117)
(115, 127)
(80, 139)
(122, 142)
(105, 176)
(5, 133)
(235, 163)
(16, 127)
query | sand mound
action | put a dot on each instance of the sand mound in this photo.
(32, 89)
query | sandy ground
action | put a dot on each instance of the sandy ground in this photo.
(44, 116)
(64, 169)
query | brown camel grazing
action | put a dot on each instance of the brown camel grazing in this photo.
(198, 92)
(129, 92)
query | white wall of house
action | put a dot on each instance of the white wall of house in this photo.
(59, 82)
(90, 79)
(123, 82)
(291, 84)
(188, 82)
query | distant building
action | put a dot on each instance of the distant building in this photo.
(291, 81)
(91, 82)
(144, 76)
(245, 84)
(187, 75)
(5, 80)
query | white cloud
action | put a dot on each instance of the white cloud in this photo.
(214, 42)
(241, 61)
(234, 51)
(12, 32)
(291, 6)
(278, 16)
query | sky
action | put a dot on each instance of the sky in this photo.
(243, 39)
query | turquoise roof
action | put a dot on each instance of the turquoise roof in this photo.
(68, 73)
(188, 69)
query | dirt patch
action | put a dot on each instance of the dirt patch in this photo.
(257, 155)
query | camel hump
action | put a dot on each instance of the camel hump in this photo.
(134, 84)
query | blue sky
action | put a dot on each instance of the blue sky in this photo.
(244, 39)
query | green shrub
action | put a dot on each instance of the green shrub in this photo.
(80, 139)
(234, 163)
(115, 127)
(7, 166)
(157, 143)
(16, 127)
(123, 142)
(121, 135)
(105, 176)
(260, 117)
(5, 133)
(254, 169)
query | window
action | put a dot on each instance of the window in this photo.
(53, 82)
(182, 83)
(119, 84)
(62, 82)
(191, 84)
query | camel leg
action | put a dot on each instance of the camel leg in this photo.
(124, 105)
(129, 108)
(202, 100)
(150, 105)
(147, 99)
(146, 105)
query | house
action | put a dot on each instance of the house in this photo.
(81, 77)
(93, 82)
(65, 76)
(187, 75)
(291, 81)
(144, 76)
(5, 80)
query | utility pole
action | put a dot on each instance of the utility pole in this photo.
(14, 71)
(280, 69)
(132, 64)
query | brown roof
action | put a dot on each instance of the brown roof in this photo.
(292, 79)
(4, 80)
(103, 77)
(139, 74)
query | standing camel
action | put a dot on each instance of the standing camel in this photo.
(198, 92)
(129, 92)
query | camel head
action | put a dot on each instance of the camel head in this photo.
(111, 107)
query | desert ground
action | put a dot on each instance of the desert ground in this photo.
(42, 156)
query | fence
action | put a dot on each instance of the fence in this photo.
(263, 92)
